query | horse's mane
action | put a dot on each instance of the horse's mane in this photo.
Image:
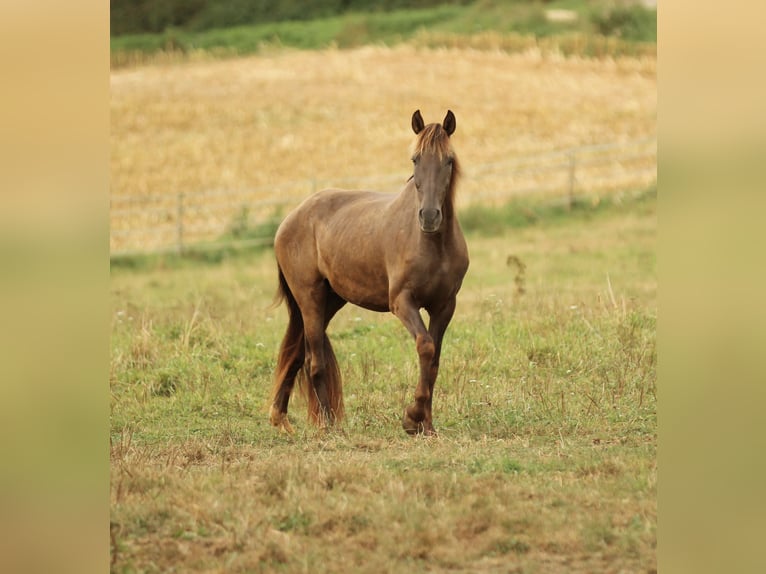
(434, 139)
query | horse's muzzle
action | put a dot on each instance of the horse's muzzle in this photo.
(430, 219)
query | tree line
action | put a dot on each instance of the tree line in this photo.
(156, 16)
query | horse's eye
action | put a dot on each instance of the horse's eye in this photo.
(415, 159)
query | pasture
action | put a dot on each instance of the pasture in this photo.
(545, 408)
(545, 403)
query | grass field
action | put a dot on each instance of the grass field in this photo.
(545, 407)
(264, 121)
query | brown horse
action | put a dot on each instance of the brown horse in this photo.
(384, 252)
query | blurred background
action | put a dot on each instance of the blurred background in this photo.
(224, 115)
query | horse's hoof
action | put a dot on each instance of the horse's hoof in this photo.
(279, 420)
(286, 426)
(412, 426)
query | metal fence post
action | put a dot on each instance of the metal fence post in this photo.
(180, 224)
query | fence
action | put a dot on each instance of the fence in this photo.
(167, 223)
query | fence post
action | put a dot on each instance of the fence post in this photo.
(572, 166)
(180, 224)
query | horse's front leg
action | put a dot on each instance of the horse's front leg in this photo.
(417, 417)
(437, 326)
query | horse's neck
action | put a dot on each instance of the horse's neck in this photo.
(404, 203)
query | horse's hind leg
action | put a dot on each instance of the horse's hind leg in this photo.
(292, 355)
(318, 309)
(278, 412)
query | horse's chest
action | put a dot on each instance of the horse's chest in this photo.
(437, 280)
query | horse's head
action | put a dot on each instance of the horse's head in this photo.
(436, 170)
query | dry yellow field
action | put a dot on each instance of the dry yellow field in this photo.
(267, 120)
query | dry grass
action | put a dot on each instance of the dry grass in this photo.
(340, 505)
(545, 405)
(262, 121)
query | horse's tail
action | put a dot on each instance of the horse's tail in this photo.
(293, 349)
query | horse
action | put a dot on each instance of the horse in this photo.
(380, 251)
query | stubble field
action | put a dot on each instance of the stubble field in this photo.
(271, 127)
(546, 398)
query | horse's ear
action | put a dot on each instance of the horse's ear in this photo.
(417, 122)
(449, 123)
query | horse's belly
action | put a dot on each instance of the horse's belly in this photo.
(373, 306)
(361, 292)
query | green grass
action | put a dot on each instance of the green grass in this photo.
(628, 30)
(477, 218)
(528, 211)
(545, 407)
